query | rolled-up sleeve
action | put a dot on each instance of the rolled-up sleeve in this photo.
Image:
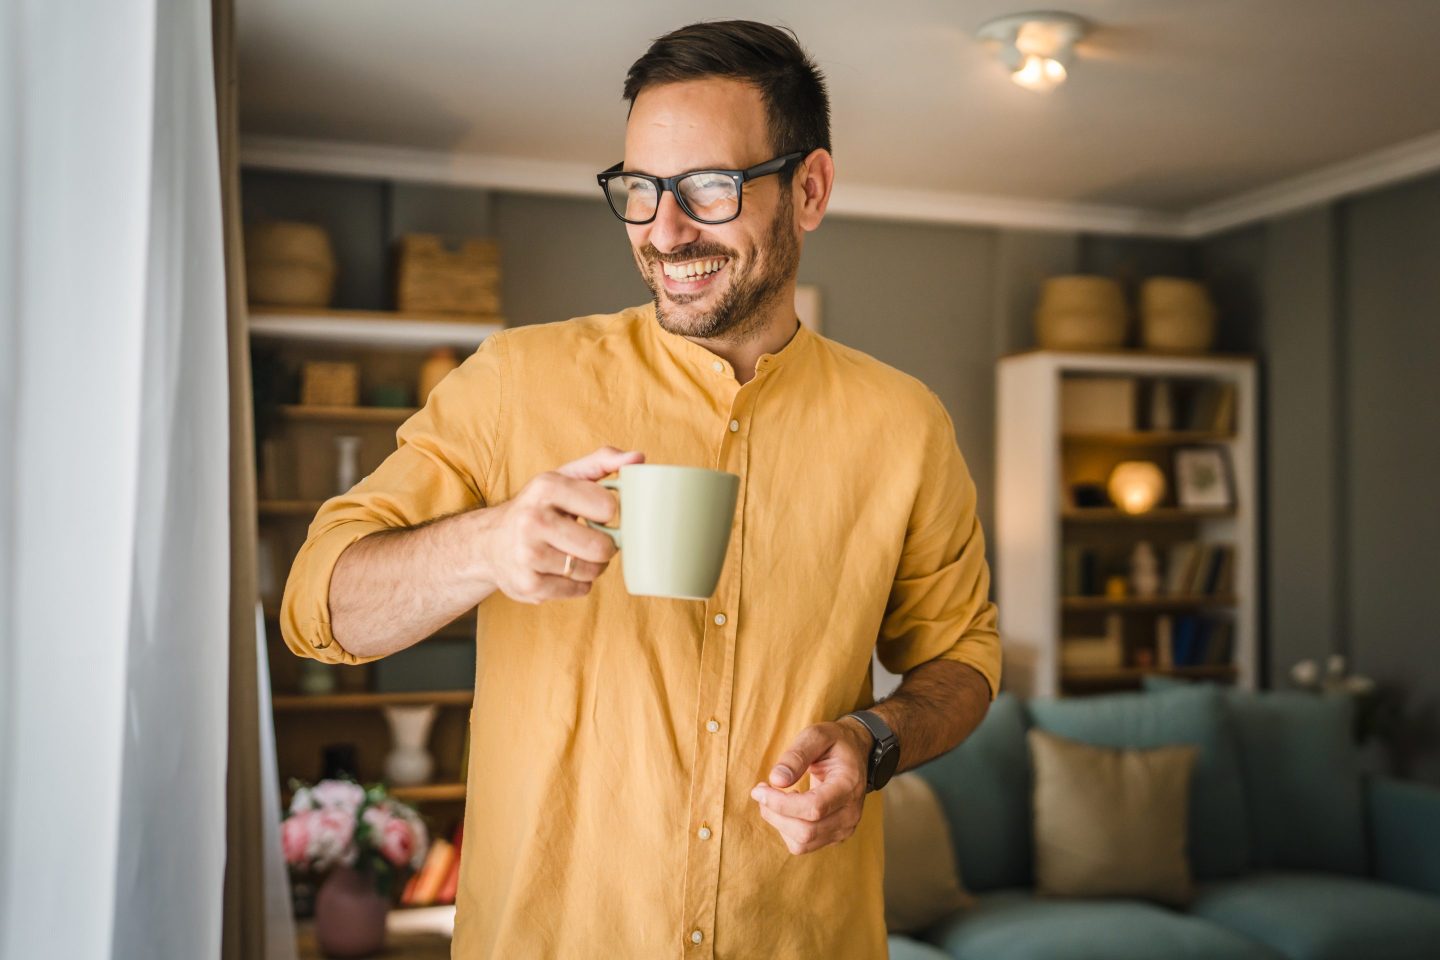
(442, 465)
(940, 605)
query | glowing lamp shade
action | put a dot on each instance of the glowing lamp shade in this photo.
(1136, 486)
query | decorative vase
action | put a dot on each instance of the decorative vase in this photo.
(1080, 313)
(408, 762)
(1176, 315)
(435, 368)
(350, 915)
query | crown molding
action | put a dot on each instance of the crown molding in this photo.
(1380, 168)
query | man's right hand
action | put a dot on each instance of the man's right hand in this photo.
(527, 538)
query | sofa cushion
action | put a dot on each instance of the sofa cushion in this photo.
(1111, 823)
(921, 882)
(1319, 916)
(1302, 781)
(984, 788)
(1014, 925)
(1218, 834)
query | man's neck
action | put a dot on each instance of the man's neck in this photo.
(779, 329)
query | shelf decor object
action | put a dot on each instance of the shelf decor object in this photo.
(1136, 486)
(1054, 557)
(1080, 313)
(289, 264)
(437, 275)
(409, 762)
(1176, 316)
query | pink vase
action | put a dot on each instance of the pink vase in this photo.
(350, 915)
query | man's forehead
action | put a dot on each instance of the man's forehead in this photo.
(713, 122)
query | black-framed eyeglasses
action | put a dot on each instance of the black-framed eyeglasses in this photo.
(707, 196)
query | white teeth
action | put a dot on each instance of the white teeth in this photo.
(695, 268)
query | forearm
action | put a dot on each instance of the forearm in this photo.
(394, 588)
(937, 705)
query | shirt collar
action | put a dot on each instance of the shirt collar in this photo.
(691, 353)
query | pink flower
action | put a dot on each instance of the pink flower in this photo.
(397, 842)
(295, 838)
(333, 839)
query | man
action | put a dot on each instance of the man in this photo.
(672, 778)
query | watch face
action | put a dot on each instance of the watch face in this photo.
(889, 759)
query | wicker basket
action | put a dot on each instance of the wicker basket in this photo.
(325, 384)
(1081, 313)
(289, 264)
(433, 275)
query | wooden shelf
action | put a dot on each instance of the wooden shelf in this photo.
(429, 792)
(318, 414)
(1157, 515)
(1147, 438)
(288, 508)
(1106, 604)
(1133, 675)
(296, 702)
(371, 328)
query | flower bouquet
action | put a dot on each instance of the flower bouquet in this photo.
(361, 840)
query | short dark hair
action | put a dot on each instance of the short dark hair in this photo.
(791, 86)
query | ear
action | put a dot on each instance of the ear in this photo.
(816, 175)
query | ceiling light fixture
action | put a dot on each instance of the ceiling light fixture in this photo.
(1035, 46)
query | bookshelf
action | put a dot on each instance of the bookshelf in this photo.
(1064, 421)
(299, 460)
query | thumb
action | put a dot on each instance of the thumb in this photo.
(808, 747)
(601, 462)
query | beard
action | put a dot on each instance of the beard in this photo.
(740, 313)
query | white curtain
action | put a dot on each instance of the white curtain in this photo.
(113, 483)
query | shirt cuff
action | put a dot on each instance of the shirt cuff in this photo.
(305, 610)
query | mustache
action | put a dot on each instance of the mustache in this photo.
(696, 251)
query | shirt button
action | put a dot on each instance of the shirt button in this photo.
(734, 425)
(719, 619)
(713, 726)
(719, 368)
(704, 833)
(696, 936)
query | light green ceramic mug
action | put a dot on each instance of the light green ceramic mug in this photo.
(674, 528)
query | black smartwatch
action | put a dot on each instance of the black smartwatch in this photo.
(884, 752)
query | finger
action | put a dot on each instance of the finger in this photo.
(814, 804)
(601, 462)
(552, 563)
(550, 587)
(579, 498)
(804, 836)
(564, 534)
(809, 746)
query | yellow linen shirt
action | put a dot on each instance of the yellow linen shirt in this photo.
(615, 739)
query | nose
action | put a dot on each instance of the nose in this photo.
(672, 227)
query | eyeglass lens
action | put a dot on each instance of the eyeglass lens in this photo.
(710, 197)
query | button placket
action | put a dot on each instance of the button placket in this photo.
(717, 656)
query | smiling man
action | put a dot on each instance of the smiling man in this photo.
(672, 778)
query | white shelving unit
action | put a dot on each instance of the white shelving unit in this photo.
(1032, 515)
(368, 329)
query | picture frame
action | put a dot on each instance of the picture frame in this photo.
(1202, 478)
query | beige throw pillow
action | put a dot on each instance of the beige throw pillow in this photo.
(922, 884)
(1111, 823)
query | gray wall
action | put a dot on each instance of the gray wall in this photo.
(1341, 302)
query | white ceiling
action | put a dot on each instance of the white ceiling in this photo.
(1172, 105)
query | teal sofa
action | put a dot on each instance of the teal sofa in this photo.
(1295, 854)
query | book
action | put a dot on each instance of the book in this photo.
(1165, 642)
(432, 873)
(451, 884)
(1098, 404)
(1177, 568)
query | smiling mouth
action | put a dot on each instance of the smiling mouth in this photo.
(693, 271)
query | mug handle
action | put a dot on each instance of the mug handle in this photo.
(614, 531)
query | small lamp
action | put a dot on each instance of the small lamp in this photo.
(1035, 47)
(1136, 486)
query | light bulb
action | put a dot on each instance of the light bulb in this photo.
(1040, 74)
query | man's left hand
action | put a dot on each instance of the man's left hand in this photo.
(835, 754)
